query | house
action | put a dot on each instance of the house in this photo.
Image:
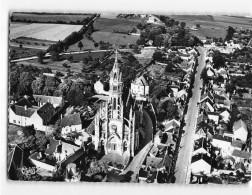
(213, 116)
(14, 161)
(71, 123)
(225, 116)
(24, 113)
(200, 163)
(241, 156)
(140, 88)
(240, 130)
(222, 142)
(171, 126)
(55, 101)
(57, 153)
(207, 106)
(238, 145)
(210, 72)
(204, 129)
(207, 96)
(201, 146)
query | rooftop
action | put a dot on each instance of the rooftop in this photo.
(73, 119)
(201, 156)
(241, 154)
(222, 138)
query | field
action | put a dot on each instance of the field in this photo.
(58, 65)
(213, 26)
(87, 44)
(109, 25)
(52, 32)
(53, 18)
(120, 39)
(104, 31)
(16, 52)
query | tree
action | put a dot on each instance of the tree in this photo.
(204, 76)
(140, 26)
(51, 84)
(55, 56)
(40, 56)
(96, 45)
(134, 30)
(70, 58)
(230, 87)
(183, 24)
(136, 49)
(38, 85)
(25, 81)
(80, 45)
(198, 25)
(28, 130)
(157, 56)
(218, 60)
(20, 46)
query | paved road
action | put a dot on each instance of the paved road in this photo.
(182, 170)
(67, 53)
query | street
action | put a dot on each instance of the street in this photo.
(182, 170)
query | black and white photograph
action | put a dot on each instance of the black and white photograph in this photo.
(129, 96)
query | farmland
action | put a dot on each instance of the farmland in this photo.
(87, 44)
(16, 52)
(109, 25)
(48, 17)
(104, 31)
(213, 26)
(52, 32)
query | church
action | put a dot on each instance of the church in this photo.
(115, 133)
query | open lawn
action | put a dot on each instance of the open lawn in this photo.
(53, 18)
(58, 65)
(51, 32)
(210, 32)
(31, 42)
(16, 52)
(120, 39)
(87, 44)
(105, 27)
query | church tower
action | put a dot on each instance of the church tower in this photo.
(115, 111)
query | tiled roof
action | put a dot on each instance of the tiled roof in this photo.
(241, 154)
(237, 143)
(22, 111)
(73, 119)
(172, 124)
(202, 156)
(52, 147)
(45, 99)
(239, 124)
(154, 162)
(241, 166)
(15, 157)
(46, 112)
(91, 127)
(201, 118)
(223, 138)
(200, 143)
(24, 102)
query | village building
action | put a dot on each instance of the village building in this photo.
(200, 163)
(140, 88)
(240, 131)
(57, 154)
(71, 123)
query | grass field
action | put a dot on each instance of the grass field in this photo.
(213, 26)
(120, 39)
(54, 18)
(16, 52)
(58, 65)
(104, 28)
(52, 32)
(87, 44)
